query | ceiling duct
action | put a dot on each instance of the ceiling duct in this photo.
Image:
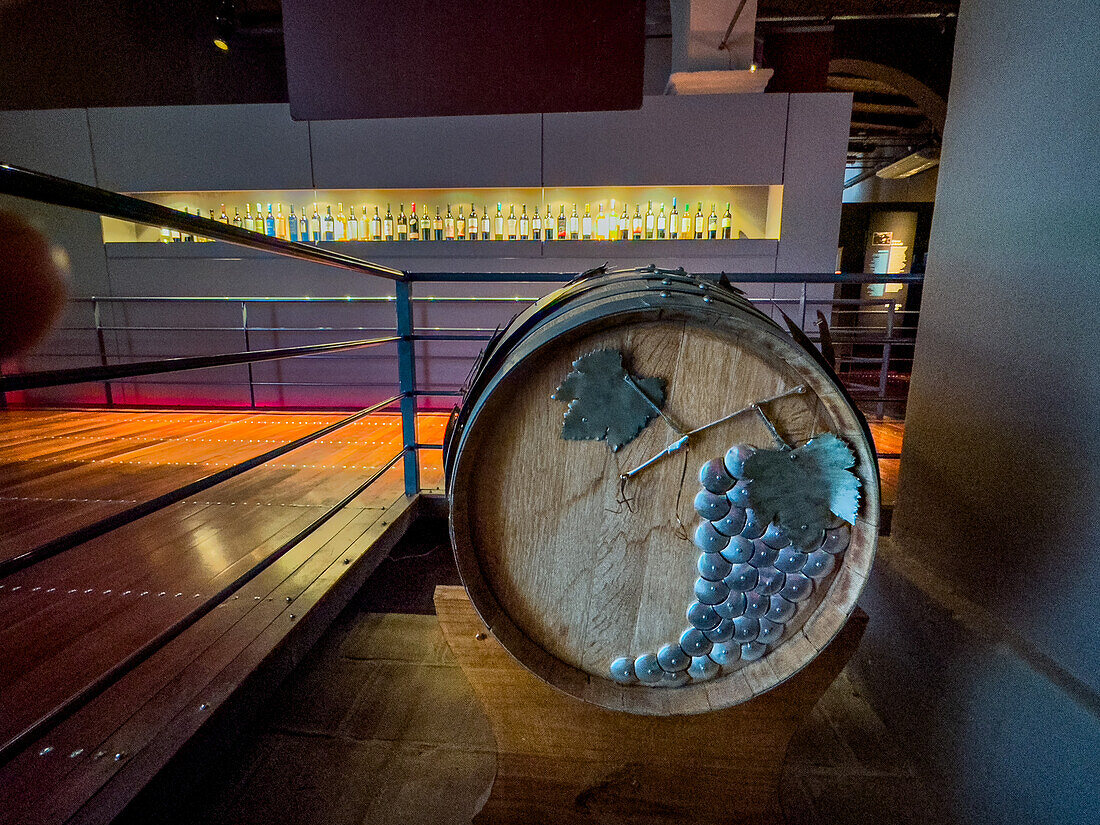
(713, 44)
(911, 164)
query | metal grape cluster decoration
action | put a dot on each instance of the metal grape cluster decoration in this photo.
(773, 522)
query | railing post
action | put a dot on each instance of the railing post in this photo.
(884, 373)
(107, 392)
(406, 374)
(248, 348)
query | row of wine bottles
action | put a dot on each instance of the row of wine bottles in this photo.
(474, 226)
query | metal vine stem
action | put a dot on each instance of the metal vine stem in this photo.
(682, 442)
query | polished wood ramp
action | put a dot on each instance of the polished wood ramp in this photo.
(888, 434)
(115, 651)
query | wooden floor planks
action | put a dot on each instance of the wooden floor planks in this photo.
(379, 725)
(68, 620)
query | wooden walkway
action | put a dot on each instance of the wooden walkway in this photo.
(80, 632)
(114, 652)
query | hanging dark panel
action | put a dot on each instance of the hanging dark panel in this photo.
(353, 59)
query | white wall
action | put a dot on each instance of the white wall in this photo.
(983, 646)
(797, 141)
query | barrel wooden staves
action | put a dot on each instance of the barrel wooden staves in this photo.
(615, 555)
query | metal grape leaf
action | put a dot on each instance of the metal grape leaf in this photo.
(605, 401)
(802, 487)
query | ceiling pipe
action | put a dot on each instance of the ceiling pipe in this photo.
(854, 18)
(931, 105)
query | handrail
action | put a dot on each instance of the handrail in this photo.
(635, 251)
(130, 514)
(80, 375)
(43, 188)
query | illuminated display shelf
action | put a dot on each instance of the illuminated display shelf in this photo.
(754, 214)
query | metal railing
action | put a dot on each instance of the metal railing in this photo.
(881, 326)
(403, 334)
(854, 321)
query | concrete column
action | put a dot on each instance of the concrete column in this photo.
(984, 648)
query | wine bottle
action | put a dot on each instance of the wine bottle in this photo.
(269, 223)
(353, 225)
(426, 224)
(387, 225)
(524, 225)
(472, 224)
(330, 224)
(292, 223)
(586, 223)
(700, 226)
(249, 224)
(662, 224)
(237, 221)
(303, 228)
(650, 223)
(376, 226)
(674, 221)
(562, 224)
(460, 225)
(536, 225)
(225, 218)
(512, 222)
(486, 224)
(727, 223)
(414, 225)
(574, 225)
(260, 227)
(601, 225)
(712, 223)
(437, 225)
(637, 224)
(315, 225)
(612, 223)
(449, 226)
(548, 224)
(402, 224)
(685, 222)
(340, 225)
(280, 223)
(498, 225)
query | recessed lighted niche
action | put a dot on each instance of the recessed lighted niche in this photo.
(696, 213)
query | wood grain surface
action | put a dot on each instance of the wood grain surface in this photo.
(563, 760)
(570, 576)
(68, 620)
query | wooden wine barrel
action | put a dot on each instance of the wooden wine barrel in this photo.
(574, 569)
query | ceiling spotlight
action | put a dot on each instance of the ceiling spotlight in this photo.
(225, 24)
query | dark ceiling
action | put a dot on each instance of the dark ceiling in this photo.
(61, 53)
